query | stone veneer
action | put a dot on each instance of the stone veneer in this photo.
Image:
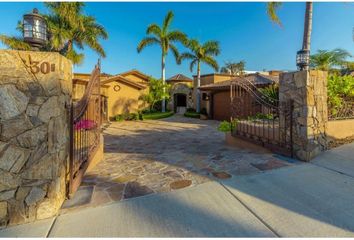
(34, 135)
(308, 90)
(181, 88)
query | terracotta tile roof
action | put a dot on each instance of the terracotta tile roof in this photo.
(179, 77)
(257, 79)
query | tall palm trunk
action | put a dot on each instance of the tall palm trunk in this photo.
(198, 85)
(307, 28)
(163, 80)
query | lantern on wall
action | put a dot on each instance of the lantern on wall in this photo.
(34, 29)
(205, 97)
(303, 59)
(190, 95)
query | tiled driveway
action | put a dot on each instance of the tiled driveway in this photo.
(144, 157)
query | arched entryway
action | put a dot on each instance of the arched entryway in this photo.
(180, 102)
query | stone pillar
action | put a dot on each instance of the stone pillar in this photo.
(308, 90)
(35, 93)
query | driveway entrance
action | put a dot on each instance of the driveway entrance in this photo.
(146, 157)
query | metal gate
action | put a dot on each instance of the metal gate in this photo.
(85, 122)
(261, 119)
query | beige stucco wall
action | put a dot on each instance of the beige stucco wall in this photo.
(34, 134)
(78, 90)
(340, 129)
(126, 100)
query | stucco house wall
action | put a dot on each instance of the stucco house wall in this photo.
(126, 100)
(122, 91)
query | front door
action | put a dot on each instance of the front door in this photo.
(180, 102)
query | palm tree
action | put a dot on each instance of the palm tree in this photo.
(234, 68)
(327, 60)
(166, 39)
(68, 27)
(306, 42)
(201, 53)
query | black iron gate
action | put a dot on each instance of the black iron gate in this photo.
(261, 119)
(84, 131)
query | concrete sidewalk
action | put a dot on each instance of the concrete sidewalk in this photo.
(307, 200)
(207, 210)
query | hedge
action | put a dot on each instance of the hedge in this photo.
(192, 114)
(156, 115)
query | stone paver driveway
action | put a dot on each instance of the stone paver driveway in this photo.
(144, 157)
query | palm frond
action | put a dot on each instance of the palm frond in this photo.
(153, 29)
(211, 62)
(175, 52)
(193, 44)
(187, 55)
(19, 26)
(16, 43)
(167, 21)
(76, 58)
(177, 36)
(211, 48)
(272, 8)
(147, 42)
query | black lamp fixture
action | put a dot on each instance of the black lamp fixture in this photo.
(303, 59)
(190, 95)
(34, 29)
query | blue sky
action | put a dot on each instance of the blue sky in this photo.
(243, 30)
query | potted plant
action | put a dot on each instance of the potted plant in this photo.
(227, 128)
(203, 114)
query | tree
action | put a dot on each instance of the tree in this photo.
(201, 53)
(234, 68)
(327, 60)
(68, 28)
(158, 90)
(271, 93)
(166, 39)
(272, 8)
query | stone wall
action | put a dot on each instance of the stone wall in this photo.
(35, 92)
(308, 90)
(181, 88)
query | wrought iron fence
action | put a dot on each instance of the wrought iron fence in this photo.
(343, 111)
(85, 130)
(261, 120)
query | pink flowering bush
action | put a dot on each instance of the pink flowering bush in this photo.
(85, 124)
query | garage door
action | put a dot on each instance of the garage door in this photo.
(221, 105)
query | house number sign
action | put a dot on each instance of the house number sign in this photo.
(39, 67)
(43, 67)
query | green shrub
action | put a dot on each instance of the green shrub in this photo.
(133, 116)
(261, 116)
(271, 93)
(192, 114)
(204, 111)
(226, 126)
(190, 109)
(128, 117)
(156, 115)
(119, 118)
(339, 89)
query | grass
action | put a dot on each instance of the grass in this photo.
(156, 115)
(192, 114)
